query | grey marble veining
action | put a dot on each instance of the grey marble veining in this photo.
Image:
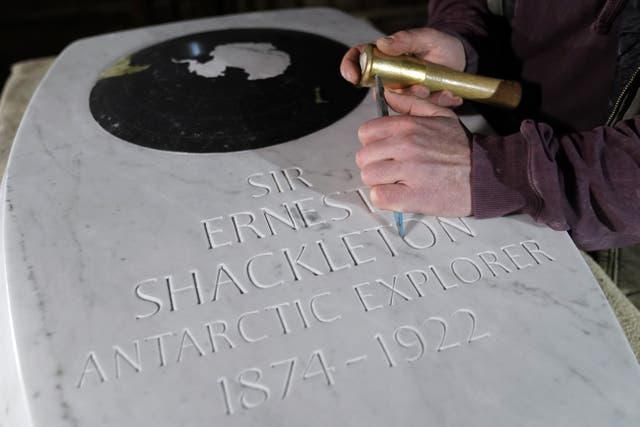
(336, 322)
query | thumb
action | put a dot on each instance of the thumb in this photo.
(414, 106)
(349, 66)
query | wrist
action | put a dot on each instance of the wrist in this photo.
(499, 183)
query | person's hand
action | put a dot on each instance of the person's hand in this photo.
(417, 162)
(424, 43)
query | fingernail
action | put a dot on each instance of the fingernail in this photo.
(388, 39)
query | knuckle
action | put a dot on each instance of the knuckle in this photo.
(361, 158)
(363, 177)
(364, 132)
(406, 125)
(417, 170)
(374, 129)
(407, 145)
(367, 175)
(420, 91)
(403, 35)
(382, 196)
(417, 132)
(377, 197)
(444, 124)
(434, 124)
(427, 33)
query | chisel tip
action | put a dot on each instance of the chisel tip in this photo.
(399, 223)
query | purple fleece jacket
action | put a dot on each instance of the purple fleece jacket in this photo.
(585, 179)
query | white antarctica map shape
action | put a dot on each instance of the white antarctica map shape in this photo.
(258, 60)
(151, 288)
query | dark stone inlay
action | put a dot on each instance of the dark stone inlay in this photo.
(151, 100)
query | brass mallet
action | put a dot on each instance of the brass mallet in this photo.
(403, 71)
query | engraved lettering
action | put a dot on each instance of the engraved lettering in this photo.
(209, 232)
(254, 391)
(288, 379)
(316, 314)
(430, 239)
(490, 259)
(363, 297)
(417, 285)
(330, 263)
(393, 290)
(472, 337)
(324, 370)
(253, 181)
(413, 338)
(443, 323)
(281, 317)
(224, 384)
(269, 215)
(187, 335)
(461, 226)
(514, 257)
(261, 391)
(356, 359)
(91, 365)
(309, 216)
(385, 350)
(160, 346)
(351, 248)
(363, 198)
(445, 286)
(380, 231)
(243, 332)
(456, 269)
(333, 204)
(157, 302)
(303, 316)
(222, 334)
(119, 354)
(526, 245)
(230, 279)
(238, 226)
(276, 181)
(195, 286)
(295, 173)
(252, 276)
(298, 263)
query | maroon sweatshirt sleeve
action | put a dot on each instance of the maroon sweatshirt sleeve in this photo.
(587, 183)
(465, 19)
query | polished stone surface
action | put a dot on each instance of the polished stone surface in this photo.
(154, 288)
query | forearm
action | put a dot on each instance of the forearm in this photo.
(584, 182)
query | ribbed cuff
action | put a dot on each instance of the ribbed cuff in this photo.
(499, 181)
(470, 55)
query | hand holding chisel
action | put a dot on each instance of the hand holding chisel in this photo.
(383, 110)
(420, 159)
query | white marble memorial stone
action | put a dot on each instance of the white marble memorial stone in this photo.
(258, 287)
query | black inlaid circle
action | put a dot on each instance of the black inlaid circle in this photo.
(224, 91)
